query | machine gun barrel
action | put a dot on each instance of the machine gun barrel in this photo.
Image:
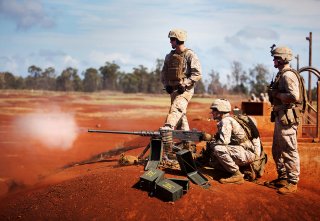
(192, 135)
(140, 133)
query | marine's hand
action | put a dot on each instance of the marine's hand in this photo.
(181, 89)
(187, 82)
(206, 137)
(273, 92)
(169, 89)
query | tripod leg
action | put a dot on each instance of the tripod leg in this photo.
(144, 151)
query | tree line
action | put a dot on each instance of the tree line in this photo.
(140, 80)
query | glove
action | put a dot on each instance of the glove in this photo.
(206, 136)
(273, 93)
(216, 137)
(187, 82)
(181, 89)
(169, 89)
(270, 95)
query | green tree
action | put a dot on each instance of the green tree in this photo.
(258, 79)
(2, 81)
(32, 81)
(47, 79)
(7, 80)
(142, 76)
(92, 80)
(154, 84)
(34, 71)
(10, 80)
(38, 79)
(215, 86)
(20, 83)
(76, 82)
(238, 78)
(199, 87)
(129, 83)
(65, 80)
(110, 74)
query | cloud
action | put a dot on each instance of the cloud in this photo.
(101, 57)
(133, 33)
(26, 14)
(18, 64)
(249, 35)
(257, 32)
(69, 61)
(11, 63)
(124, 60)
(50, 55)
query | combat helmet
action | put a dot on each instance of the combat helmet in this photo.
(222, 105)
(179, 34)
(283, 52)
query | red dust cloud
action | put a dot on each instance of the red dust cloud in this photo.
(53, 129)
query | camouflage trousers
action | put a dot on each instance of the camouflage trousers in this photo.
(177, 114)
(285, 152)
(232, 156)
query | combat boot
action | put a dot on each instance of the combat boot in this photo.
(289, 188)
(167, 138)
(236, 178)
(277, 183)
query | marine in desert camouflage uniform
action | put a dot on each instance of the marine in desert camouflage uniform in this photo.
(284, 94)
(231, 145)
(180, 72)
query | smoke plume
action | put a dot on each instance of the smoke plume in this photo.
(54, 129)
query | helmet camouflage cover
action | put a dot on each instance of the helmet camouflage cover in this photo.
(222, 105)
(284, 52)
(179, 34)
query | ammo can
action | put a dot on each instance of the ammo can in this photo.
(189, 167)
(155, 156)
(150, 178)
(197, 178)
(167, 190)
(186, 161)
(182, 182)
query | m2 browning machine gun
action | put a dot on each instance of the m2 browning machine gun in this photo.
(191, 135)
(156, 141)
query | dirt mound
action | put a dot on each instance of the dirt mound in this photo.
(104, 190)
(85, 182)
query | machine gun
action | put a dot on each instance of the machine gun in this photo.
(192, 135)
(156, 141)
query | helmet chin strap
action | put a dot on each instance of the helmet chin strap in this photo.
(280, 63)
(220, 115)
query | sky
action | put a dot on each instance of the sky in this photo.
(85, 34)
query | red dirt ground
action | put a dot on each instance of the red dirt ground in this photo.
(36, 185)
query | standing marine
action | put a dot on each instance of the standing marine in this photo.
(180, 72)
(285, 95)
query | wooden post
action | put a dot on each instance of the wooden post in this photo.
(318, 112)
(310, 64)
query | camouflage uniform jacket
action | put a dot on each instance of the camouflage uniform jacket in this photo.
(230, 132)
(192, 67)
(287, 84)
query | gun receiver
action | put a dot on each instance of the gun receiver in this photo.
(192, 135)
